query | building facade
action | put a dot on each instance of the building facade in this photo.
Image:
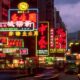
(4, 6)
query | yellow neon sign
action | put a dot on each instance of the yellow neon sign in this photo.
(23, 6)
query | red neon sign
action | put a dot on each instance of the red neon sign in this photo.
(26, 16)
(60, 41)
(32, 17)
(42, 29)
(42, 43)
(14, 42)
(23, 51)
(43, 37)
(3, 40)
(23, 17)
(14, 17)
(51, 38)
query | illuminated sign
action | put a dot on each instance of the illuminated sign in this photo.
(10, 50)
(24, 33)
(31, 16)
(43, 40)
(17, 26)
(23, 6)
(3, 40)
(42, 60)
(49, 60)
(60, 38)
(15, 42)
(57, 50)
(60, 41)
(23, 51)
(51, 38)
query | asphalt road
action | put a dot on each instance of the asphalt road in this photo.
(49, 74)
(64, 76)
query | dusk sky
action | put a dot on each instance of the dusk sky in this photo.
(70, 13)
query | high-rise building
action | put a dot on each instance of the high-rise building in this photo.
(4, 6)
(0, 10)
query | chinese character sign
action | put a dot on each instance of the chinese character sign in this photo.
(29, 15)
(42, 40)
(51, 38)
(23, 51)
(60, 38)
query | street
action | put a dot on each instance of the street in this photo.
(48, 74)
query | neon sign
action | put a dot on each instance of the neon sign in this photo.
(60, 38)
(24, 33)
(29, 15)
(23, 51)
(3, 40)
(59, 41)
(17, 26)
(42, 40)
(23, 6)
(51, 38)
(15, 42)
(10, 50)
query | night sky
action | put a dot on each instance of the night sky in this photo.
(70, 13)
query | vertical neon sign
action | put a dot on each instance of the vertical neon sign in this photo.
(51, 38)
(60, 38)
(43, 39)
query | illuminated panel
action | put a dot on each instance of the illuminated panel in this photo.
(17, 26)
(51, 38)
(42, 60)
(23, 51)
(60, 41)
(24, 33)
(15, 42)
(43, 40)
(3, 40)
(60, 38)
(10, 50)
(49, 60)
(29, 15)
